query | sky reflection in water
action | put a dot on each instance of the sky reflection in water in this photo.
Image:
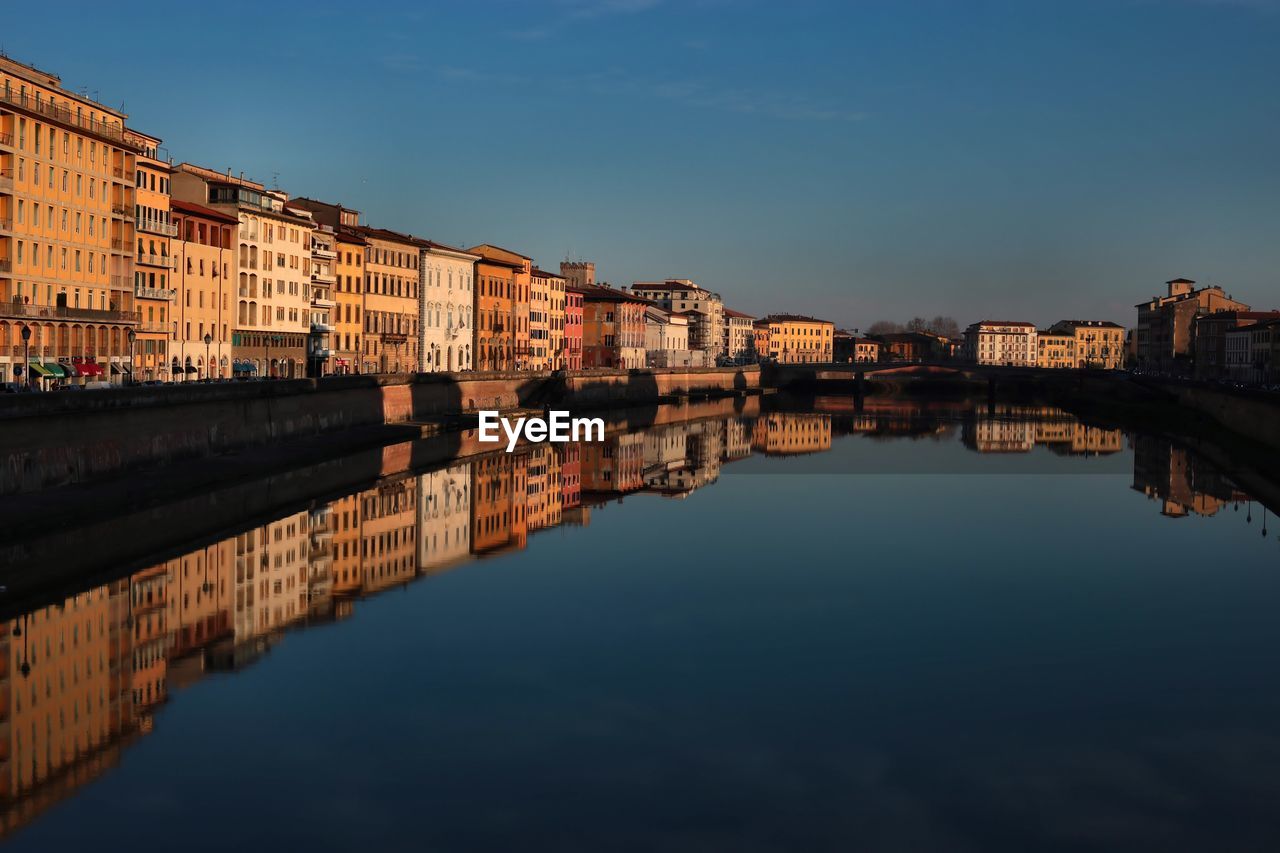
(956, 644)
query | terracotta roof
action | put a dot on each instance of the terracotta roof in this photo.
(795, 318)
(1096, 324)
(540, 273)
(475, 250)
(667, 285)
(1005, 323)
(729, 312)
(1180, 281)
(199, 210)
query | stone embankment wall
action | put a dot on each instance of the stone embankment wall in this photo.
(49, 440)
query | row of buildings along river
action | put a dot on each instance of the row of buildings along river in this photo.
(81, 677)
(119, 265)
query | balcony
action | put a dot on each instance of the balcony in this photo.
(58, 312)
(324, 278)
(6, 180)
(321, 328)
(167, 294)
(156, 261)
(155, 226)
(153, 326)
(321, 352)
(23, 101)
(321, 302)
(6, 140)
(6, 225)
(321, 252)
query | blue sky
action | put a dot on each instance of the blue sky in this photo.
(860, 160)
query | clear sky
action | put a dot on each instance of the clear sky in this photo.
(858, 160)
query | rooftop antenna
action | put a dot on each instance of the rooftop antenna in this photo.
(275, 180)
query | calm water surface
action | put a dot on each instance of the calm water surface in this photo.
(910, 628)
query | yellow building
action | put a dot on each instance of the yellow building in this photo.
(154, 262)
(1055, 349)
(391, 282)
(790, 434)
(272, 320)
(205, 276)
(67, 230)
(347, 538)
(1095, 344)
(348, 297)
(795, 339)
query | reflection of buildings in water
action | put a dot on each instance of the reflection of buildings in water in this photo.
(199, 590)
(150, 637)
(66, 691)
(321, 523)
(683, 457)
(444, 518)
(1183, 482)
(737, 438)
(543, 491)
(347, 539)
(787, 434)
(272, 566)
(388, 534)
(612, 468)
(491, 502)
(1018, 429)
(570, 476)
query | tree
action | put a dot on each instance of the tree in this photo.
(945, 326)
(918, 324)
(883, 327)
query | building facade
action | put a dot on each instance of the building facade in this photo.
(1209, 339)
(706, 333)
(448, 299)
(739, 339)
(67, 233)
(572, 327)
(796, 339)
(204, 278)
(324, 281)
(154, 263)
(521, 273)
(392, 271)
(613, 328)
(1004, 342)
(1164, 335)
(272, 322)
(494, 345)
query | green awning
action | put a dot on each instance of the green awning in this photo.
(55, 370)
(40, 370)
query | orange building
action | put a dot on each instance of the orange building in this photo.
(521, 272)
(613, 328)
(495, 313)
(154, 264)
(204, 278)
(391, 281)
(67, 231)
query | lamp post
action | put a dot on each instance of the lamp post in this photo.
(133, 336)
(26, 344)
(208, 368)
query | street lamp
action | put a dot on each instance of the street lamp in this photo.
(26, 343)
(133, 336)
(208, 368)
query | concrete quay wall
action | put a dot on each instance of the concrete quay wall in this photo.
(51, 440)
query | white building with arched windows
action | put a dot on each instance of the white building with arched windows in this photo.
(445, 299)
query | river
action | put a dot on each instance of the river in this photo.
(906, 626)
